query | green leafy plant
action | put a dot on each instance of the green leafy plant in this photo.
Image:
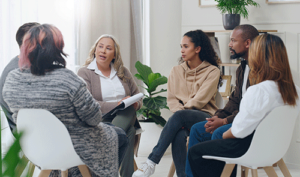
(152, 104)
(235, 6)
(12, 164)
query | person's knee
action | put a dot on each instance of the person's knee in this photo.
(198, 127)
(218, 134)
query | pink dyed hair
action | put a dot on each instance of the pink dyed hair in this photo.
(37, 35)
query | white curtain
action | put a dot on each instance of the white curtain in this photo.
(81, 23)
(15, 13)
(121, 18)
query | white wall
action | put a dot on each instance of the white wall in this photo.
(281, 17)
(165, 37)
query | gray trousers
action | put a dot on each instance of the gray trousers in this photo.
(125, 119)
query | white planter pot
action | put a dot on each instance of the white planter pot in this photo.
(149, 138)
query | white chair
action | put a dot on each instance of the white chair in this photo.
(7, 139)
(269, 144)
(47, 143)
(220, 105)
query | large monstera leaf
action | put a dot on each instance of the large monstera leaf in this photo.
(155, 103)
(144, 71)
(155, 79)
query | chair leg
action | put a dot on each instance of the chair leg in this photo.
(31, 169)
(85, 172)
(285, 171)
(135, 167)
(270, 171)
(45, 173)
(64, 173)
(254, 172)
(227, 170)
(244, 171)
(21, 166)
(172, 170)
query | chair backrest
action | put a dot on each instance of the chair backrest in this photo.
(272, 137)
(46, 141)
(219, 100)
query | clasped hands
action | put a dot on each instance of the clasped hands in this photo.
(213, 123)
(216, 122)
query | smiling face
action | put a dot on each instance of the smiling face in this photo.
(188, 50)
(105, 52)
(238, 46)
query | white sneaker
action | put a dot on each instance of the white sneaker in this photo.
(147, 169)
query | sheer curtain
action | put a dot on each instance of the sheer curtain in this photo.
(15, 13)
(81, 23)
(121, 18)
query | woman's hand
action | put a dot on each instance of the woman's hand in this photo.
(228, 134)
(123, 99)
(135, 105)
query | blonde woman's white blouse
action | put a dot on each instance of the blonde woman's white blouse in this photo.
(111, 87)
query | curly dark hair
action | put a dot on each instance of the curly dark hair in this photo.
(207, 52)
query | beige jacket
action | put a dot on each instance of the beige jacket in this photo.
(193, 89)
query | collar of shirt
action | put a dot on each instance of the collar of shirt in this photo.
(93, 66)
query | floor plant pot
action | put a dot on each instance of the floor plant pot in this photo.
(230, 21)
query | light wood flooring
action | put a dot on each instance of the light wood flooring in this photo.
(162, 169)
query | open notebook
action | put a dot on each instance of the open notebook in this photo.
(124, 104)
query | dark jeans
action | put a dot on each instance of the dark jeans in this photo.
(222, 147)
(176, 132)
(198, 135)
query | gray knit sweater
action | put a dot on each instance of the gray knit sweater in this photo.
(65, 95)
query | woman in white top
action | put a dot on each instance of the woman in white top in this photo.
(271, 86)
(110, 82)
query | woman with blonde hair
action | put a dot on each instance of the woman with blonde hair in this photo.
(271, 86)
(110, 82)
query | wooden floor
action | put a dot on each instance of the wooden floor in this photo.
(162, 169)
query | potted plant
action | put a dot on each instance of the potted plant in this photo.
(151, 104)
(232, 9)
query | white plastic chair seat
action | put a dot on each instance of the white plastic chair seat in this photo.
(46, 141)
(270, 142)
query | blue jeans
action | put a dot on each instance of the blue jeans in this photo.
(198, 134)
(176, 132)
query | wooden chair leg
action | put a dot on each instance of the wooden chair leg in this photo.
(135, 167)
(254, 172)
(21, 166)
(227, 170)
(270, 171)
(64, 173)
(84, 170)
(285, 171)
(31, 169)
(45, 173)
(244, 171)
(172, 170)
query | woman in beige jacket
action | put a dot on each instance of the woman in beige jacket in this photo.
(110, 82)
(192, 87)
